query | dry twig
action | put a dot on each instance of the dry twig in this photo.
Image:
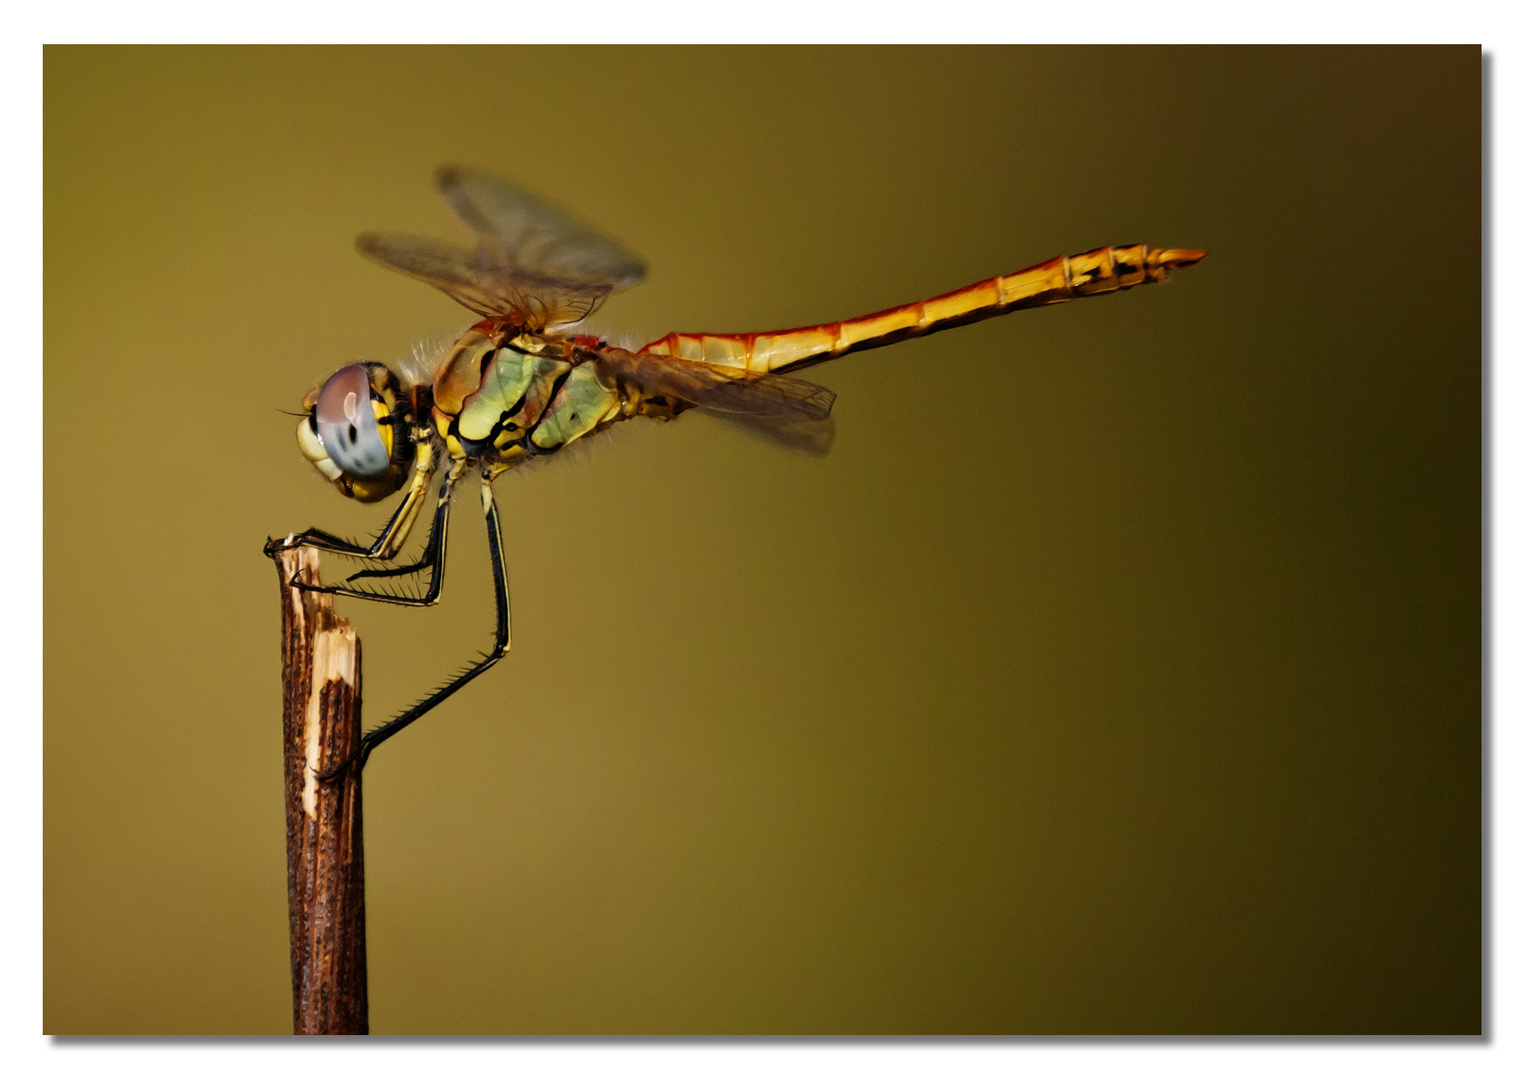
(325, 865)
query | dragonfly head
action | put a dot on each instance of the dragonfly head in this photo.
(357, 432)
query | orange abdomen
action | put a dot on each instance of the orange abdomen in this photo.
(1107, 269)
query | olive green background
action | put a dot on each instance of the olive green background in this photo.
(1118, 672)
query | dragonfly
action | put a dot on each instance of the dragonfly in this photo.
(520, 385)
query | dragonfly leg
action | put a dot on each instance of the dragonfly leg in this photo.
(433, 558)
(500, 644)
(391, 538)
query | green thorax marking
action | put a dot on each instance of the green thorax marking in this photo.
(580, 406)
(514, 392)
(547, 399)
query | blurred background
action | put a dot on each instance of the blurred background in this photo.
(1118, 671)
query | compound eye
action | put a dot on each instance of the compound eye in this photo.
(347, 424)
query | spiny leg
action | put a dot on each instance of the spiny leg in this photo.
(500, 645)
(426, 559)
(433, 557)
(391, 538)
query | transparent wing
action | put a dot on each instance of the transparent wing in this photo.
(532, 264)
(723, 390)
(485, 280)
(813, 437)
(769, 395)
(532, 234)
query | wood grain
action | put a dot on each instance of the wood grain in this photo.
(325, 858)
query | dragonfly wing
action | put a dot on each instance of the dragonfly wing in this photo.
(723, 390)
(451, 268)
(813, 437)
(535, 236)
(770, 395)
(485, 280)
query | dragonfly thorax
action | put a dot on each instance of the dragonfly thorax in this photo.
(502, 396)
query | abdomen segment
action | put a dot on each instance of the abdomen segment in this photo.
(1107, 269)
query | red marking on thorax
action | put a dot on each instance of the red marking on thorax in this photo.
(497, 325)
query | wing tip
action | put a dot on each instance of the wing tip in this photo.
(448, 176)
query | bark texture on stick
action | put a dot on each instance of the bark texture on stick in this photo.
(325, 866)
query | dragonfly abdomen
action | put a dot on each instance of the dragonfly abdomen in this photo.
(1108, 269)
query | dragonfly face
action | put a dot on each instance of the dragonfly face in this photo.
(517, 385)
(358, 432)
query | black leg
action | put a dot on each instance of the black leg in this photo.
(426, 561)
(327, 541)
(391, 538)
(433, 560)
(500, 645)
